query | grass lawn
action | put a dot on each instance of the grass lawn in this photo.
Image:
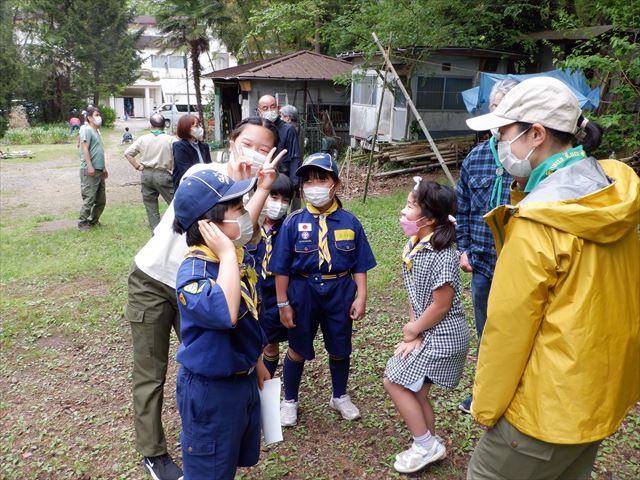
(65, 410)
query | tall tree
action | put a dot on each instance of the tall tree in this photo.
(186, 25)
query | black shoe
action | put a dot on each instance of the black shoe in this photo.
(162, 468)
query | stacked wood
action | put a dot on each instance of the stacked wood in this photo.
(415, 156)
(633, 161)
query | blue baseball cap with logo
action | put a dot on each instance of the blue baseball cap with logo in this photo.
(203, 190)
(324, 161)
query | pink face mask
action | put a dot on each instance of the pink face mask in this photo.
(410, 227)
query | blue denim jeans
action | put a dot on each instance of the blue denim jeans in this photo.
(480, 286)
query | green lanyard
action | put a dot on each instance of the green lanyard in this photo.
(496, 193)
(553, 163)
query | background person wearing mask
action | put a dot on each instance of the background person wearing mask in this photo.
(92, 171)
(190, 149)
(268, 109)
(155, 164)
(563, 327)
(483, 186)
(289, 114)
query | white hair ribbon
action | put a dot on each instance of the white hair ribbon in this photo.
(417, 180)
(452, 219)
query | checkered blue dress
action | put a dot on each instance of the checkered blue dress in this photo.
(444, 348)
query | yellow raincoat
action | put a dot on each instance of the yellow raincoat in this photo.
(560, 352)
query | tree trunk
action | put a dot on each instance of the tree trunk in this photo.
(316, 38)
(195, 66)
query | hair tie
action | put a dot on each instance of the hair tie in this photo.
(452, 219)
(584, 122)
(417, 180)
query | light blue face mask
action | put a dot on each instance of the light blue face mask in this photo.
(271, 115)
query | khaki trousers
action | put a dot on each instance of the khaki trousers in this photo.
(155, 182)
(504, 453)
(152, 312)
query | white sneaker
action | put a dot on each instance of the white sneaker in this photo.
(438, 439)
(416, 458)
(288, 413)
(345, 406)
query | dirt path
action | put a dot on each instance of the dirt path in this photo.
(52, 186)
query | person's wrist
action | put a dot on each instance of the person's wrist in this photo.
(284, 303)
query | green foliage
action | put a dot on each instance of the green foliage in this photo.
(72, 51)
(613, 61)
(108, 116)
(45, 134)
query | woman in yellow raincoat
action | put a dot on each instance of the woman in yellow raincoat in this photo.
(559, 360)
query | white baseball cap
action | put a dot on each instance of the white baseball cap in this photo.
(543, 100)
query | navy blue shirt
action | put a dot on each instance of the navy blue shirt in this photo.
(478, 176)
(288, 138)
(211, 346)
(296, 251)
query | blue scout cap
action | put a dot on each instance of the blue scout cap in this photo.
(203, 190)
(323, 161)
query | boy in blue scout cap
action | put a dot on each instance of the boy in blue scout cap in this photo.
(217, 385)
(321, 262)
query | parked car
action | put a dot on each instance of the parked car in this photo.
(173, 111)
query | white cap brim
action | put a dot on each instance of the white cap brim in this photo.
(487, 122)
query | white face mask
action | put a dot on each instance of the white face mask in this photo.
(97, 121)
(270, 115)
(276, 210)
(246, 229)
(197, 132)
(257, 159)
(318, 196)
(516, 167)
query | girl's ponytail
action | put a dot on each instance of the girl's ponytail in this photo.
(444, 234)
(589, 134)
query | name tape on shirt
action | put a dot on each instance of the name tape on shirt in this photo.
(304, 227)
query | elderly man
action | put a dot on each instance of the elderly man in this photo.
(92, 171)
(155, 162)
(268, 109)
(483, 186)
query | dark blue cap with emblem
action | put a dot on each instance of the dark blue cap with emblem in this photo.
(203, 190)
(323, 161)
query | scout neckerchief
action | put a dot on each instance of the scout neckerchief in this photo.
(413, 246)
(157, 132)
(268, 247)
(553, 163)
(496, 193)
(323, 241)
(248, 277)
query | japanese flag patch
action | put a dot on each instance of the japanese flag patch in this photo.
(304, 227)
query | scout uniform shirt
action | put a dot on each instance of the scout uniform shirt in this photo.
(211, 345)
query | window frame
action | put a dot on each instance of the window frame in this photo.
(443, 93)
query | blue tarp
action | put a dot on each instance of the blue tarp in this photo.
(477, 99)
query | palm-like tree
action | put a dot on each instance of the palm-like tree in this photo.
(186, 25)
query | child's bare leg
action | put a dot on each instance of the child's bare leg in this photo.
(427, 410)
(409, 407)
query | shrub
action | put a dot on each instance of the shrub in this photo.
(46, 134)
(108, 116)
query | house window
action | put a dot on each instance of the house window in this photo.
(159, 61)
(167, 61)
(442, 93)
(399, 101)
(176, 61)
(365, 91)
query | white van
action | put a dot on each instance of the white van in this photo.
(173, 111)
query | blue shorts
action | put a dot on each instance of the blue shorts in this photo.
(325, 303)
(220, 424)
(270, 317)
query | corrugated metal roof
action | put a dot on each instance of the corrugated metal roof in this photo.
(454, 51)
(303, 65)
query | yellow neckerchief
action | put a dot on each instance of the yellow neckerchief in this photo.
(248, 276)
(413, 246)
(268, 248)
(323, 241)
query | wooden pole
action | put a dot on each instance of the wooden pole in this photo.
(375, 133)
(414, 110)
